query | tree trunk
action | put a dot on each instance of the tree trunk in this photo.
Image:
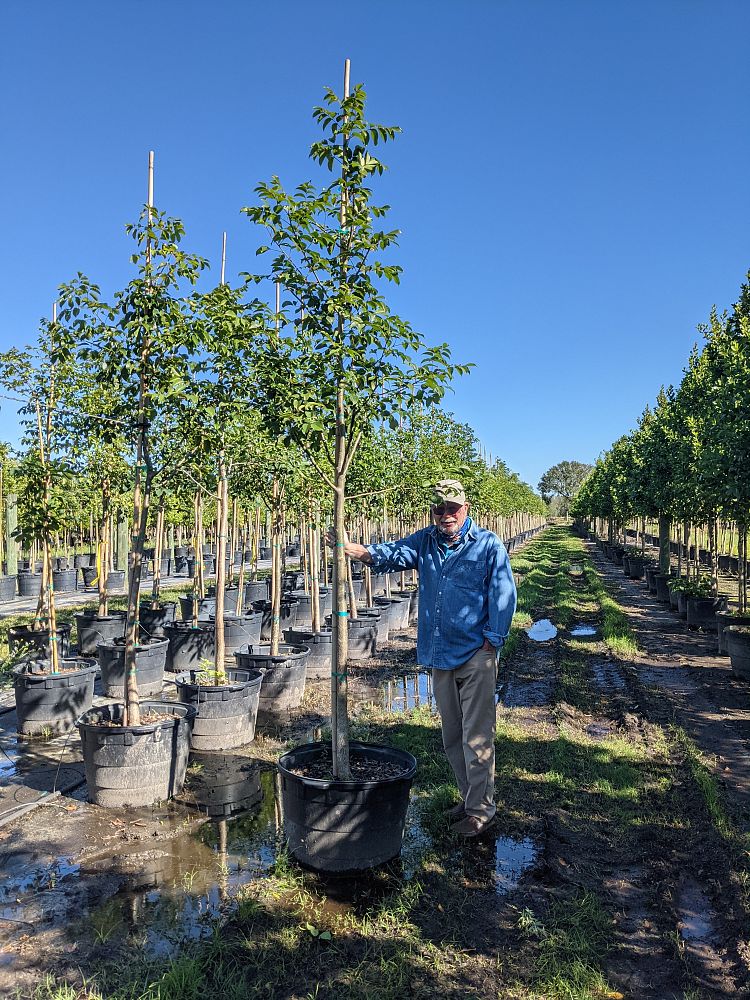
(222, 513)
(665, 525)
(712, 533)
(102, 553)
(276, 567)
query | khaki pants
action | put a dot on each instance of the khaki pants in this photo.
(465, 698)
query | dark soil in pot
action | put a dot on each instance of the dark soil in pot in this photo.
(92, 630)
(37, 641)
(150, 659)
(48, 703)
(188, 647)
(345, 826)
(225, 714)
(283, 685)
(135, 766)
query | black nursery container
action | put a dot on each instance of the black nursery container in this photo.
(344, 827)
(225, 714)
(38, 641)
(256, 590)
(92, 630)
(320, 645)
(51, 703)
(283, 685)
(287, 616)
(29, 584)
(153, 620)
(206, 607)
(150, 660)
(188, 647)
(8, 588)
(133, 766)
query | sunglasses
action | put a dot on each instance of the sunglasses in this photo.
(441, 508)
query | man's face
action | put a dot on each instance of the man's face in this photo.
(449, 517)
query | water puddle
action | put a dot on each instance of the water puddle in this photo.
(409, 691)
(542, 630)
(696, 918)
(513, 858)
(583, 631)
(576, 570)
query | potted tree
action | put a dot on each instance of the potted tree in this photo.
(52, 689)
(345, 361)
(136, 752)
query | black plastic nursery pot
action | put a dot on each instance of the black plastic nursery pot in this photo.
(92, 630)
(701, 612)
(65, 581)
(304, 605)
(320, 645)
(363, 636)
(29, 584)
(723, 620)
(133, 766)
(150, 660)
(674, 599)
(50, 703)
(344, 827)
(682, 604)
(283, 685)
(37, 641)
(90, 575)
(737, 639)
(413, 594)
(651, 572)
(256, 590)
(626, 565)
(381, 617)
(398, 611)
(225, 714)
(189, 647)
(206, 607)
(635, 568)
(662, 586)
(153, 620)
(115, 580)
(8, 586)
(287, 616)
(240, 630)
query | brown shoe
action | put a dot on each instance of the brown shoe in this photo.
(456, 812)
(471, 826)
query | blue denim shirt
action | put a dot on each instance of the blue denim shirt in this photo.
(466, 595)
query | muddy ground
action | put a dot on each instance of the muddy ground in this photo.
(618, 866)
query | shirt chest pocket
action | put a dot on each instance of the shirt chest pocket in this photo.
(468, 574)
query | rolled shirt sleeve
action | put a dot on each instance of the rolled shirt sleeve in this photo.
(501, 596)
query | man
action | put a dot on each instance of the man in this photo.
(467, 597)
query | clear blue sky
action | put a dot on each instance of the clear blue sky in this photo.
(571, 183)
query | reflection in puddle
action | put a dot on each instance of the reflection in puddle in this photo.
(583, 630)
(409, 691)
(576, 569)
(542, 630)
(513, 858)
(696, 917)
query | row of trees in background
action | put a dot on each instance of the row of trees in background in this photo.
(685, 464)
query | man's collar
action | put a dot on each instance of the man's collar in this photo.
(471, 531)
